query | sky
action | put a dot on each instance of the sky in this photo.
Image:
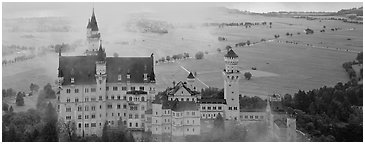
(20, 9)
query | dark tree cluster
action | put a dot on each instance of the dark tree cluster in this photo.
(329, 113)
(9, 92)
(20, 99)
(199, 55)
(173, 57)
(252, 102)
(30, 126)
(119, 134)
(212, 93)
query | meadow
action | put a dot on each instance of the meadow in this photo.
(281, 67)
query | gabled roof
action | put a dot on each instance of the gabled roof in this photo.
(180, 85)
(84, 69)
(231, 54)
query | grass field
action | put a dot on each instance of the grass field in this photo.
(281, 68)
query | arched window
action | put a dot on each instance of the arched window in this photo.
(130, 98)
(142, 98)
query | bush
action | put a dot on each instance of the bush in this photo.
(5, 107)
(19, 99)
(248, 75)
(199, 55)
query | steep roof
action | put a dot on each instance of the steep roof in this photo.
(84, 69)
(231, 54)
(92, 23)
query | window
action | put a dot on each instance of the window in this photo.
(130, 116)
(229, 108)
(219, 108)
(145, 76)
(136, 124)
(187, 99)
(141, 88)
(68, 109)
(256, 117)
(209, 108)
(93, 90)
(93, 116)
(92, 108)
(118, 106)
(107, 88)
(100, 98)
(124, 97)
(86, 116)
(79, 125)
(142, 99)
(110, 106)
(119, 77)
(130, 124)
(76, 90)
(125, 114)
(193, 113)
(130, 98)
(68, 117)
(182, 99)
(124, 106)
(68, 90)
(86, 124)
(112, 97)
(118, 97)
(86, 90)
(76, 99)
(203, 107)
(79, 108)
(86, 108)
(86, 99)
(124, 88)
(251, 117)
(246, 117)
(100, 106)
(133, 88)
(214, 108)
(235, 108)
(68, 100)
(115, 88)
(93, 99)
(93, 124)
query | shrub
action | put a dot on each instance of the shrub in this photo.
(248, 75)
(199, 55)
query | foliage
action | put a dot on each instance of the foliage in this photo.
(228, 47)
(199, 55)
(49, 92)
(168, 58)
(119, 134)
(5, 107)
(248, 75)
(8, 92)
(252, 102)
(219, 122)
(34, 87)
(328, 113)
(248, 42)
(359, 57)
(116, 54)
(212, 93)
(19, 99)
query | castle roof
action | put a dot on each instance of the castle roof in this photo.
(231, 54)
(180, 85)
(93, 25)
(84, 69)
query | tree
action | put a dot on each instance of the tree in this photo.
(228, 47)
(104, 136)
(50, 131)
(199, 55)
(248, 75)
(359, 57)
(116, 54)
(219, 122)
(67, 129)
(11, 109)
(248, 42)
(218, 50)
(168, 58)
(49, 92)
(5, 107)
(34, 87)
(19, 99)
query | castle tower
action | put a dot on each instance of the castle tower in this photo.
(231, 76)
(92, 35)
(191, 81)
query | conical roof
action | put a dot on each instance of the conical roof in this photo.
(92, 23)
(231, 54)
(191, 76)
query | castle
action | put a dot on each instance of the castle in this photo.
(95, 90)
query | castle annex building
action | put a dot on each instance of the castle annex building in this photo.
(95, 89)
